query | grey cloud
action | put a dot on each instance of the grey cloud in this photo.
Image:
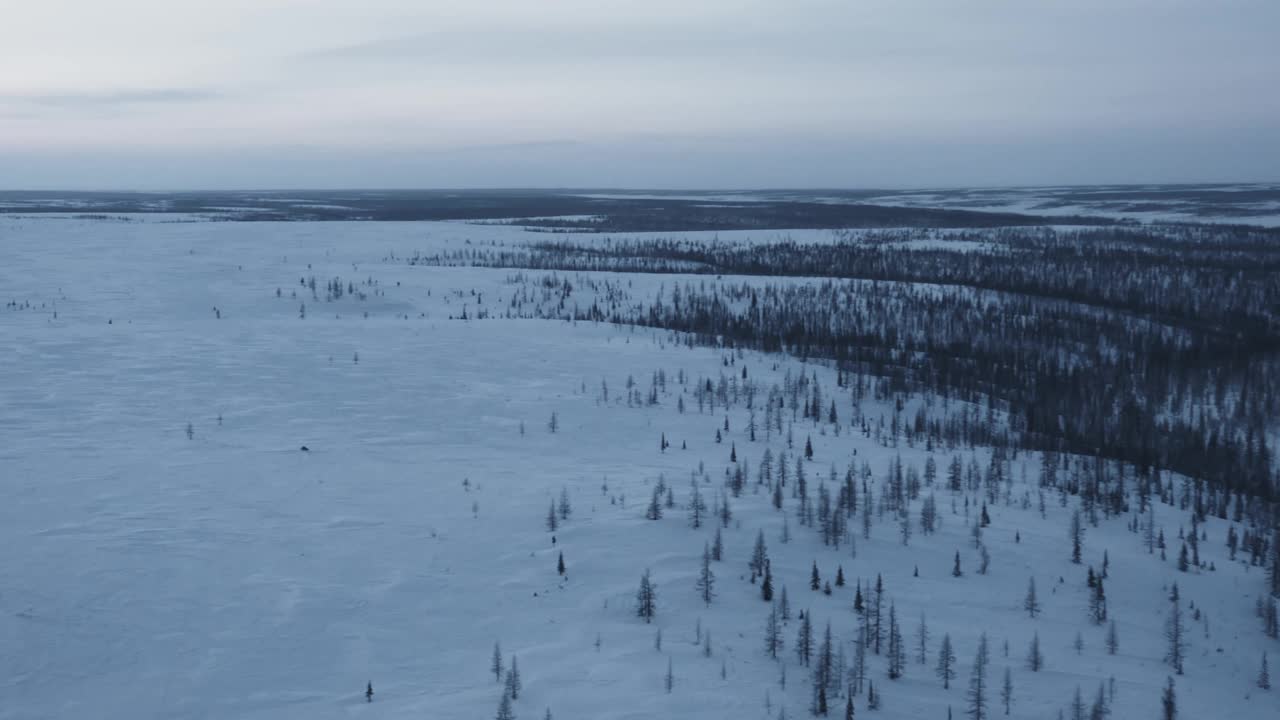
(653, 41)
(111, 98)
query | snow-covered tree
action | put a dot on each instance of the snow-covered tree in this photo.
(858, 673)
(706, 578)
(504, 709)
(654, 511)
(495, 664)
(759, 556)
(1098, 603)
(1031, 603)
(646, 599)
(1175, 633)
(1076, 534)
(875, 625)
(977, 694)
(804, 640)
(697, 506)
(946, 668)
(514, 685)
(1035, 660)
(773, 633)
(897, 653)
(922, 641)
(1006, 690)
(564, 508)
(1168, 702)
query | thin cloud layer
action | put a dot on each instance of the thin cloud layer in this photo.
(91, 99)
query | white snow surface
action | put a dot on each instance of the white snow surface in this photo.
(147, 575)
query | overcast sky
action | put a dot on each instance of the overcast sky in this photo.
(163, 94)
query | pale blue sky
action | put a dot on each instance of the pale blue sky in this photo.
(854, 93)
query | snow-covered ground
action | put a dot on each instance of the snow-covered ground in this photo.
(229, 574)
(1229, 204)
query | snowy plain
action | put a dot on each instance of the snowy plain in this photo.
(145, 573)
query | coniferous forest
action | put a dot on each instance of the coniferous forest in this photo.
(1155, 346)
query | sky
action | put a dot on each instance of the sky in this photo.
(187, 94)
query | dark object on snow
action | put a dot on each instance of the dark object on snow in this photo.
(304, 448)
(368, 693)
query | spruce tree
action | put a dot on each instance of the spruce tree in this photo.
(1077, 537)
(877, 603)
(804, 641)
(1031, 603)
(654, 511)
(1174, 633)
(1098, 603)
(977, 695)
(1035, 660)
(513, 679)
(759, 555)
(858, 672)
(495, 664)
(946, 669)
(706, 578)
(1006, 690)
(564, 508)
(504, 709)
(824, 673)
(697, 506)
(1077, 706)
(1098, 710)
(897, 653)
(1168, 702)
(922, 641)
(773, 633)
(646, 599)
(1264, 674)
